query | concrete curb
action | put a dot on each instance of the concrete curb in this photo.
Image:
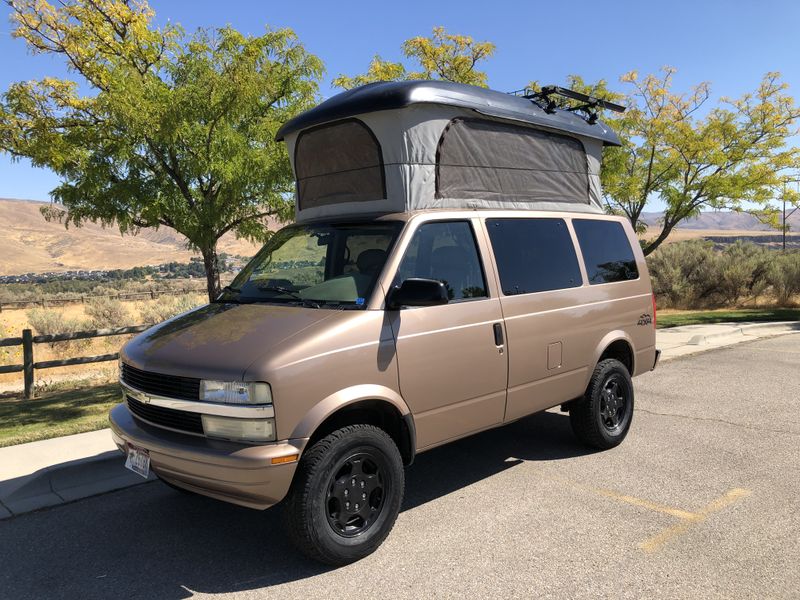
(62, 481)
(774, 327)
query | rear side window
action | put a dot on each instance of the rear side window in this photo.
(533, 255)
(606, 251)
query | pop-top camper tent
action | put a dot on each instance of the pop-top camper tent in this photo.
(400, 146)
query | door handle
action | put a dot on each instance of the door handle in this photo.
(498, 334)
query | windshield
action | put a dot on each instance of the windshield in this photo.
(317, 265)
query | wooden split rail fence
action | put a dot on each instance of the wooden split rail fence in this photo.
(44, 302)
(27, 341)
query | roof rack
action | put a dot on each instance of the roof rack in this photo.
(589, 105)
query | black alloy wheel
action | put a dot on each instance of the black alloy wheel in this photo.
(613, 403)
(356, 493)
(345, 495)
(601, 418)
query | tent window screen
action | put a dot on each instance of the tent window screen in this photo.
(487, 159)
(338, 162)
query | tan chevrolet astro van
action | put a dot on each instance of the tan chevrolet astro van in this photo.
(450, 270)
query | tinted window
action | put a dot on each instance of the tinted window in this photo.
(533, 255)
(445, 252)
(606, 251)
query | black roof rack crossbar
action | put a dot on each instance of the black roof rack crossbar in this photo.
(589, 105)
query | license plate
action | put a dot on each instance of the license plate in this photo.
(138, 461)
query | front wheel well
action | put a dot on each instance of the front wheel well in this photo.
(620, 350)
(373, 412)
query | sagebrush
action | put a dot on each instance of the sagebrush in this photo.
(45, 321)
(693, 274)
(156, 312)
(108, 312)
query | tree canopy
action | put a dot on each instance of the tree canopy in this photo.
(176, 130)
(734, 155)
(165, 128)
(445, 56)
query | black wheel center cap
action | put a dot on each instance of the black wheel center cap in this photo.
(355, 495)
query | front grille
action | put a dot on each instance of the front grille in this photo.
(166, 417)
(170, 386)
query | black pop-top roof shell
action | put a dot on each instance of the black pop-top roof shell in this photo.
(390, 95)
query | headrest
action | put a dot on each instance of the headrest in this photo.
(371, 260)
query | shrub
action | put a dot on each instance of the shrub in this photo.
(741, 270)
(46, 322)
(693, 274)
(156, 312)
(108, 312)
(783, 275)
(683, 273)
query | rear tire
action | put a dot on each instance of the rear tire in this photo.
(346, 495)
(602, 417)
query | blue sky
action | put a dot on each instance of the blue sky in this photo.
(730, 44)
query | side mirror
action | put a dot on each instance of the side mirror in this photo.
(417, 292)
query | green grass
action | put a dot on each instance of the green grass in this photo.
(58, 413)
(701, 317)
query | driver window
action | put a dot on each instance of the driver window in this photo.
(445, 251)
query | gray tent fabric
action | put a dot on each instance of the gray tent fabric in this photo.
(338, 162)
(408, 140)
(484, 159)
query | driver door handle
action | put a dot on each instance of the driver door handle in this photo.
(498, 334)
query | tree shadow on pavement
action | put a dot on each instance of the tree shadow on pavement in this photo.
(152, 542)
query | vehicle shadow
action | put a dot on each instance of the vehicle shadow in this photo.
(153, 542)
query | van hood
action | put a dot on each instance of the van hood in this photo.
(219, 341)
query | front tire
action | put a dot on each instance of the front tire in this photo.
(602, 417)
(346, 495)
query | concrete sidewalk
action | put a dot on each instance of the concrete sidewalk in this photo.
(52, 472)
(60, 470)
(690, 339)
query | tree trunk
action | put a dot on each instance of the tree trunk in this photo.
(665, 231)
(212, 271)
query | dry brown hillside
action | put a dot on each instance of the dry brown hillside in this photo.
(29, 244)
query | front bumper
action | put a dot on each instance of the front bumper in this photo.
(236, 473)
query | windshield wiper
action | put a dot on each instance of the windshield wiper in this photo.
(291, 293)
(230, 289)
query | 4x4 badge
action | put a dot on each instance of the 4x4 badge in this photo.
(645, 319)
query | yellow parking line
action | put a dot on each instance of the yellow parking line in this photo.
(725, 500)
(667, 510)
(687, 518)
(655, 542)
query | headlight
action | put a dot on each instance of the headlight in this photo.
(241, 430)
(235, 392)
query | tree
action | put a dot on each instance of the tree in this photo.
(178, 130)
(449, 57)
(732, 156)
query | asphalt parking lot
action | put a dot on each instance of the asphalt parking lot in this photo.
(701, 501)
